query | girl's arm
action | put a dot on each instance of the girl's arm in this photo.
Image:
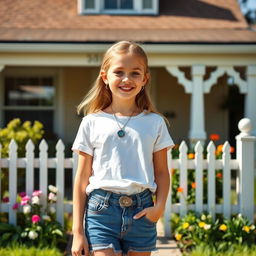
(162, 179)
(84, 170)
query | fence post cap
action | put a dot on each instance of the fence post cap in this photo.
(245, 126)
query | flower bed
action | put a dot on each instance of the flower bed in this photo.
(37, 225)
(193, 231)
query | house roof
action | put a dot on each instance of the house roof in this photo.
(180, 21)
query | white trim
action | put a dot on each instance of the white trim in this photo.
(149, 48)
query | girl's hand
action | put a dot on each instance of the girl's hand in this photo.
(152, 213)
(79, 244)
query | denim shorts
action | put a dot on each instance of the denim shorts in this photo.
(109, 224)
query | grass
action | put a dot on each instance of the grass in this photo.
(23, 251)
(233, 251)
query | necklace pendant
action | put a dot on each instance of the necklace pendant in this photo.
(121, 133)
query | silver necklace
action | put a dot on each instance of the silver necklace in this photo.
(121, 132)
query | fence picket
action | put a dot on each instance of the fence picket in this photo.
(183, 161)
(226, 180)
(30, 167)
(43, 171)
(211, 192)
(60, 180)
(167, 213)
(199, 176)
(12, 180)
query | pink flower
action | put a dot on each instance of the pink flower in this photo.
(24, 202)
(37, 193)
(6, 199)
(35, 218)
(15, 206)
(22, 194)
(52, 197)
(25, 198)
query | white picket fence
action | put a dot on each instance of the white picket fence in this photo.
(244, 164)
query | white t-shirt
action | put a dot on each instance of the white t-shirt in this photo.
(122, 165)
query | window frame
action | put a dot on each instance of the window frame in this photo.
(137, 8)
(32, 72)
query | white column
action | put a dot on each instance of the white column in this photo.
(250, 101)
(245, 156)
(197, 126)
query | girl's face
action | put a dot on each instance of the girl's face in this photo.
(126, 76)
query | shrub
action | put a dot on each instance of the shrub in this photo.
(195, 231)
(21, 133)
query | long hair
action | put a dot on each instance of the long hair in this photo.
(99, 97)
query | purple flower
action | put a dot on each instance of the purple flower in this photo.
(22, 194)
(6, 199)
(15, 206)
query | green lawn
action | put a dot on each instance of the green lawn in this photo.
(22, 251)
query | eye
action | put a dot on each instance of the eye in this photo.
(118, 72)
(135, 73)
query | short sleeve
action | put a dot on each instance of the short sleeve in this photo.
(164, 139)
(82, 140)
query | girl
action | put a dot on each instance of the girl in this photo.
(122, 144)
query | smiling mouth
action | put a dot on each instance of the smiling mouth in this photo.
(126, 88)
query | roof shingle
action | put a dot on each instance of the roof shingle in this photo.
(178, 21)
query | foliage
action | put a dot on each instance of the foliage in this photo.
(37, 226)
(32, 251)
(193, 231)
(21, 133)
(234, 250)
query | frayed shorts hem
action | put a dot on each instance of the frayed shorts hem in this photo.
(98, 247)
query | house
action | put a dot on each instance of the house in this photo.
(202, 56)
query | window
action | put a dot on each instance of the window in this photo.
(30, 98)
(125, 7)
(118, 5)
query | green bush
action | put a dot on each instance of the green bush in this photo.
(21, 133)
(193, 231)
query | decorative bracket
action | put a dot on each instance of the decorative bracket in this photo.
(174, 70)
(242, 84)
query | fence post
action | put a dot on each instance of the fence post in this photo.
(245, 157)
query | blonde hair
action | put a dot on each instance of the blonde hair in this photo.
(100, 97)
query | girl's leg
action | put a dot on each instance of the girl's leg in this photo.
(107, 252)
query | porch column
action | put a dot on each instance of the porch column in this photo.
(197, 122)
(250, 100)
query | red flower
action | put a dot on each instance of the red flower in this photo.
(35, 218)
(193, 185)
(214, 137)
(232, 149)
(219, 175)
(180, 189)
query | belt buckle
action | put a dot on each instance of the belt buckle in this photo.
(125, 201)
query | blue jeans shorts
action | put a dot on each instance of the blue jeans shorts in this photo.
(109, 222)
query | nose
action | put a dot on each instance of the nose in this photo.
(125, 79)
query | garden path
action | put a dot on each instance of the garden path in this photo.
(166, 247)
